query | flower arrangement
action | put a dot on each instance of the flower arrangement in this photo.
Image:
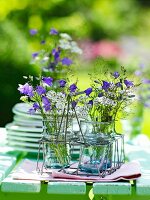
(102, 102)
(56, 107)
(107, 98)
(57, 53)
(60, 101)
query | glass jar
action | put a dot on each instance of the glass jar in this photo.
(55, 142)
(96, 147)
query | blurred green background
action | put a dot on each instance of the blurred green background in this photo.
(117, 31)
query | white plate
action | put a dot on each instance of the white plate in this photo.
(16, 148)
(14, 127)
(23, 121)
(17, 143)
(24, 134)
(22, 109)
(25, 139)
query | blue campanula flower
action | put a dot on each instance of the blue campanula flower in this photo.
(34, 55)
(48, 80)
(33, 31)
(128, 83)
(34, 108)
(90, 102)
(56, 54)
(43, 42)
(74, 103)
(26, 89)
(53, 31)
(118, 84)
(116, 74)
(73, 87)
(40, 90)
(46, 103)
(100, 94)
(62, 83)
(88, 91)
(146, 81)
(66, 61)
(106, 85)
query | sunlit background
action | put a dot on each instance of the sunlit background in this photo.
(117, 32)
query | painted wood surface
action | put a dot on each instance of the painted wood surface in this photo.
(66, 188)
(26, 186)
(9, 159)
(142, 155)
(112, 188)
(7, 163)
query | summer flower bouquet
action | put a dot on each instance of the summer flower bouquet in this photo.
(57, 108)
(94, 108)
(57, 54)
(59, 101)
(105, 100)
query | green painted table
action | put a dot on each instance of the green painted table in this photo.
(28, 189)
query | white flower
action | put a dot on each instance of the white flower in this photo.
(51, 94)
(111, 94)
(112, 86)
(82, 111)
(104, 101)
(37, 58)
(121, 91)
(45, 58)
(64, 44)
(65, 36)
(97, 100)
(100, 88)
(60, 106)
(83, 98)
(75, 48)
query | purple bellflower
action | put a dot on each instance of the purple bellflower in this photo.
(33, 31)
(118, 84)
(66, 61)
(62, 83)
(88, 91)
(116, 74)
(146, 81)
(48, 80)
(34, 55)
(43, 42)
(105, 85)
(90, 102)
(128, 83)
(56, 55)
(100, 94)
(34, 108)
(53, 31)
(74, 103)
(40, 90)
(46, 103)
(26, 89)
(73, 87)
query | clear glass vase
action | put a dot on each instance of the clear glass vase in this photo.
(56, 154)
(55, 142)
(96, 154)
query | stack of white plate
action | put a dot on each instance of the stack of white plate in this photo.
(25, 130)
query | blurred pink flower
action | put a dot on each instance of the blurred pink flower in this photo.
(104, 48)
